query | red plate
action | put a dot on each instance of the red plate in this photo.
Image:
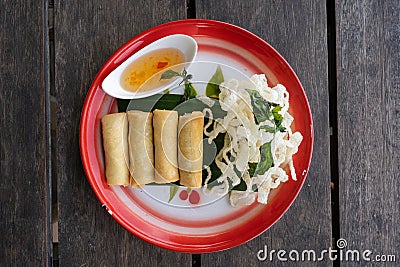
(199, 228)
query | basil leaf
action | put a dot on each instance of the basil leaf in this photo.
(147, 104)
(189, 92)
(268, 129)
(252, 168)
(266, 161)
(169, 74)
(281, 129)
(241, 186)
(260, 106)
(173, 189)
(122, 104)
(212, 89)
(277, 117)
(271, 129)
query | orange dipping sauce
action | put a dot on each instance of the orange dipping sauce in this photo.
(144, 73)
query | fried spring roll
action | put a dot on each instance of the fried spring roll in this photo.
(115, 132)
(190, 149)
(165, 125)
(140, 140)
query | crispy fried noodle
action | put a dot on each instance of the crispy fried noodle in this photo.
(245, 136)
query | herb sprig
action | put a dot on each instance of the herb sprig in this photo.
(189, 91)
(263, 111)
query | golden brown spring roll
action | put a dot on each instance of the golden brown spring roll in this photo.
(115, 133)
(165, 125)
(190, 148)
(141, 155)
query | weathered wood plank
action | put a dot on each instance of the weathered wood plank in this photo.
(297, 29)
(86, 34)
(24, 188)
(368, 70)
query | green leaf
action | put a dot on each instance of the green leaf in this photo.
(189, 92)
(271, 129)
(189, 189)
(262, 112)
(173, 189)
(266, 161)
(252, 168)
(280, 128)
(241, 186)
(169, 74)
(147, 104)
(268, 129)
(215, 171)
(260, 106)
(166, 91)
(212, 89)
(122, 104)
(277, 117)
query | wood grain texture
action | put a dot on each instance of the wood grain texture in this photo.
(297, 29)
(368, 60)
(24, 229)
(84, 38)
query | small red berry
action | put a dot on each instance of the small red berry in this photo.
(183, 195)
(194, 197)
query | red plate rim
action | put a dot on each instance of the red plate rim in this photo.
(193, 248)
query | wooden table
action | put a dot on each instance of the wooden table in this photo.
(346, 54)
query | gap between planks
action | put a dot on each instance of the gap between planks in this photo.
(52, 126)
(333, 122)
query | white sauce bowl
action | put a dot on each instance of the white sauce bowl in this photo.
(112, 83)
